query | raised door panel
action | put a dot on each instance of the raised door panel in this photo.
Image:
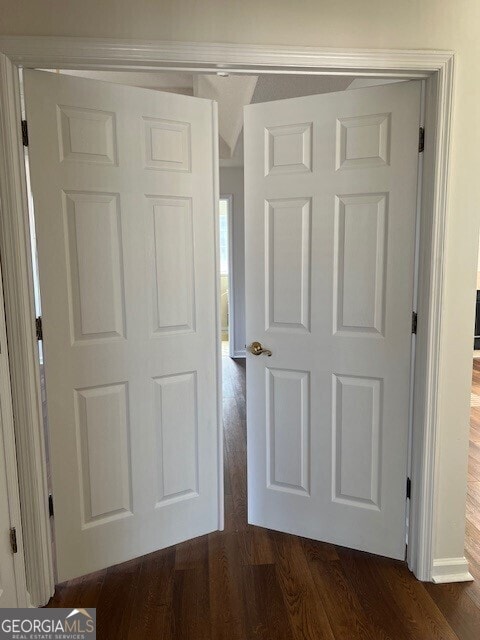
(363, 141)
(173, 287)
(103, 444)
(288, 260)
(360, 264)
(288, 430)
(87, 135)
(288, 149)
(167, 145)
(176, 428)
(357, 422)
(95, 265)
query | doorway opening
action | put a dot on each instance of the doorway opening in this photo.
(234, 381)
(226, 274)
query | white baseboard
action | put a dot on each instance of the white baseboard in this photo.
(451, 570)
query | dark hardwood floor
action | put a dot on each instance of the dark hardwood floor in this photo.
(246, 582)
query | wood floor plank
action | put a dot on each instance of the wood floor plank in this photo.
(235, 440)
(87, 589)
(227, 602)
(380, 609)
(191, 604)
(238, 483)
(458, 608)
(472, 541)
(267, 617)
(474, 467)
(412, 601)
(342, 605)
(115, 603)
(192, 554)
(256, 546)
(308, 618)
(152, 605)
(473, 588)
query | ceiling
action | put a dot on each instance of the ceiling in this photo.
(232, 92)
(281, 86)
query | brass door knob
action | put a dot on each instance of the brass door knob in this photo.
(257, 349)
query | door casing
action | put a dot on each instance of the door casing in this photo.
(436, 67)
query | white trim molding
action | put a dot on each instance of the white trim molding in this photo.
(451, 570)
(437, 67)
(94, 53)
(23, 348)
(7, 442)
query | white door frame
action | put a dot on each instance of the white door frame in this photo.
(437, 67)
(7, 443)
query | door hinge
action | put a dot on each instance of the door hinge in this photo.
(414, 321)
(39, 328)
(50, 505)
(13, 540)
(409, 488)
(25, 133)
(421, 139)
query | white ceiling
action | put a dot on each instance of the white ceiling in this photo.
(174, 82)
(232, 92)
(281, 86)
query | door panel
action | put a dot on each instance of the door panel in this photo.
(330, 186)
(288, 424)
(288, 264)
(123, 186)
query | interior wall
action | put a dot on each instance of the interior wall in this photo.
(380, 24)
(231, 183)
(224, 311)
(478, 267)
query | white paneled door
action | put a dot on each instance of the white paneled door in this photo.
(331, 184)
(125, 195)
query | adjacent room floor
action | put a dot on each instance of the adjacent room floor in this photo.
(246, 582)
(472, 533)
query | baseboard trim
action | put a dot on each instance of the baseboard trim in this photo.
(240, 354)
(451, 570)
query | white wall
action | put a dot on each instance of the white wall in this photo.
(412, 24)
(231, 183)
(478, 262)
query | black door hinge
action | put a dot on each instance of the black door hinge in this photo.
(25, 133)
(13, 540)
(39, 328)
(50, 505)
(421, 139)
(409, 488)
(414, 321)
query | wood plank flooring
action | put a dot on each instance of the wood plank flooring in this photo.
(247, 583)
